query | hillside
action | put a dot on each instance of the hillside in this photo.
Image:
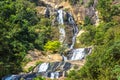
(60, 39)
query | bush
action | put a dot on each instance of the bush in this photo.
(101, 64)
(52, 46)
(39, 78)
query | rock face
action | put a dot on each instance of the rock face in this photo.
(37, 56)
(79, 11)
(34, 54)
(54, 57)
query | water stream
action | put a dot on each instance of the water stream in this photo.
(54, 69)
(75, 29)
(61, 28)
(43, 67)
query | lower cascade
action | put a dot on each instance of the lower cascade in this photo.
(43, 67)
(57, 69)
(78, 54)
(54, 70)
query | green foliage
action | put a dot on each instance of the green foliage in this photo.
(99, 65)
(30, 68)
(108, 10)
(39, 62)
(105, 9)
(52, 46)
(87, 21)
(43, 35)
(88, 37)
(39, 78)
(116, 70)
(21, 30)
(91, 2)
(104, 62)
(104, 33)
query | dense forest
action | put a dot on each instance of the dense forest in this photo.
(104, 62)
(23, 30)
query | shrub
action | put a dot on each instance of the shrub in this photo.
(52, 46)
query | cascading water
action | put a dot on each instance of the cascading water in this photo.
(78, 54)
(75, 30)
(62, 34)
(29, 76)
(60, 16)
(54, 70)
(43, 67)
(54, 75)
(60, 21)
(74, 54)
(11, 77)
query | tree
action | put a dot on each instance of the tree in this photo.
(16, 16)
(52, 46)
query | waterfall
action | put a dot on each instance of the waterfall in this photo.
(78, 54)
(71, 22)
(18, 77)
(43, 67)
(11, 77)
(60, 21)
(75, 28)
(62, 34)
(54, 75)
(60, 16)
(64, 58)
(55, 69)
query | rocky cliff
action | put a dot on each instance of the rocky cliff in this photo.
(79, 10)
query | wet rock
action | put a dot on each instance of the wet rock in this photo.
(34, 54)
(52, 70)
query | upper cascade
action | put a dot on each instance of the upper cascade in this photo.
(60, 16)
(60, 20)
(79, 11)
(65, 18)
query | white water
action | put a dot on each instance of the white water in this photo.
(60, 16)
(54, 75)
(64, 58)
(11, 77)
(43, 67)
(75, 29)
(78, 54)
(73, 42)
(62, 34)
(61, 29)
